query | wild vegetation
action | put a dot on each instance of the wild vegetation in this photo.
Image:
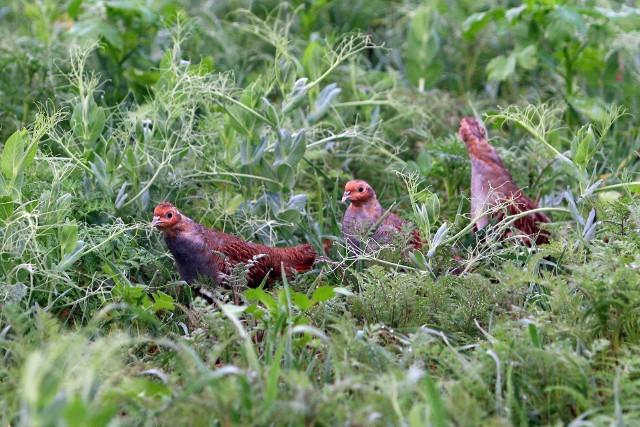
(250, 116)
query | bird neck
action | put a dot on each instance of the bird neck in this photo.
(185, 225)
(484, 156)
(369, 207)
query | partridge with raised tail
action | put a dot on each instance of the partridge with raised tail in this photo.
(492, 184)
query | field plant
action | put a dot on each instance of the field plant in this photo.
(250, 116)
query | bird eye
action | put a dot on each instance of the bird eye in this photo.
(169, 215)
(360, 189)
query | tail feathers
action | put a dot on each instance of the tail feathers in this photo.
(299, 258)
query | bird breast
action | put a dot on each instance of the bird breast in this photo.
(487, 188)
(191, 256)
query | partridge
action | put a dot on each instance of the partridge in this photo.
(201, 252)
(365, 212)
(492, 184)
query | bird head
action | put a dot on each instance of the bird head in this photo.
(165, 216)
(358, 192)
(474, 136)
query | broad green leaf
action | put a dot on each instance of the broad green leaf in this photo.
(501, 67)
(255, 311)
(564, 24)
(75, 412)
(68, 237)
(515, 12)
(72, 257)
(6, 207)
(97, 119)
(533, 334)
(323, 102)
(593, 108)
(289, 216)
(312, 59)
(476, 22)
(298, 147)
(142, 77)
(419, 260)
(433, 208)
(438, 413)
(527, 58)
(162, 301)
(286, 175)
(423, 45)
(583, 146)
(13, 154)
(301, 301)
(74, 8)
(323, 293)
(262, 296)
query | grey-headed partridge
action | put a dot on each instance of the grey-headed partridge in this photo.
(201, 252)
(365, 212)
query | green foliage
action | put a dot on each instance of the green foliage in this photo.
(250, 116)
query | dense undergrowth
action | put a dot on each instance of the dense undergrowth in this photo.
(251, 116)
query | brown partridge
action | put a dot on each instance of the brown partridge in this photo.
(201, 252)
(492, 184)
(365, 212)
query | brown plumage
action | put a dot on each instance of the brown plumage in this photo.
(365, 212)
(199, 251)
(492, 184)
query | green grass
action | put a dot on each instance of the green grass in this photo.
(251, 116)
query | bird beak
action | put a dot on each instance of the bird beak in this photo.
(156, 221)
(346, 196)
